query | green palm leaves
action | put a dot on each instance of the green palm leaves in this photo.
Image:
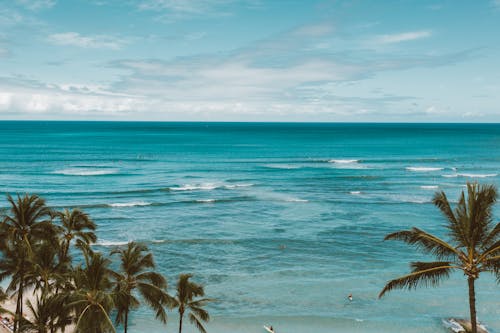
(474, 246)
(92, 299)
(36, 251)
(185, 300)
(29, 221)
(75, 225)
(136, 278)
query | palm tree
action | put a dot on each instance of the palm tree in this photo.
(92, 299)
(30, 221)
(475, 245)
(47, 314)
(184, 300)
(75, 225)
(45, 270)
(135, 276)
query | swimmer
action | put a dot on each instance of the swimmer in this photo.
(349, 297)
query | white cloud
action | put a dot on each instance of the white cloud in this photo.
(36, 4)
(402, 37)
(315, 30)
(173, 10)
(96, 42)
(274, 79)
(185, 6)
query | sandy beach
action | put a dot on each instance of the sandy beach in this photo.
(11, 306)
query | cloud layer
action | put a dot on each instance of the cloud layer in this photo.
(97, 41)
(211, 61)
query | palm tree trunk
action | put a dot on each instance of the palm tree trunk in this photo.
(125, 324)
(180, 322)
(19, 305)
(472, 304)
(17, 311)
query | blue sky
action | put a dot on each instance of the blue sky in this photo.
(250, 60)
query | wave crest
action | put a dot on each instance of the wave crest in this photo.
(423, 169)
(207, 187)
(111, 243)
(471, 175)
(343, 161)
(429, 187)
(85, 172)
(129, 204)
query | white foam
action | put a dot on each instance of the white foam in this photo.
(355, 192)
(423, 169)
(111, 243)
(85, 172)
(343, 161)
(130, 204)
(208, 186)
(471, 175)
(205, 200)
(189, 187)
(429, 187)
(237, 185)
(296, 200)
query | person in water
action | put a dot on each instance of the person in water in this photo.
(350, 297)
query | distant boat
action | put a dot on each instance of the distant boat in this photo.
(462, 326)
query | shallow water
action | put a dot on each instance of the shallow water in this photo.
(279, 221)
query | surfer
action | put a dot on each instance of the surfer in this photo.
(270, 329)
(349, 297)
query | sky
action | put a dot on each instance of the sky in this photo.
(250, 60)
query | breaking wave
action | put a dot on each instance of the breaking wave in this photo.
(423, 169)
(85, 172)
(129, 204)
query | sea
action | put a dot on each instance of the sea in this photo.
(279, 221)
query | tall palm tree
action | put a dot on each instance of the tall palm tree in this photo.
(136, 277)
(92, 299)
(184, 300)
(75, 225)
(475, 245)
(28, 222)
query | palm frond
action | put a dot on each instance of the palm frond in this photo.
(195, 321)
(493, 250)
(431, 274)
(492, 236)
(441, 201)
(200, 313)
(427, 242)
(154, 278)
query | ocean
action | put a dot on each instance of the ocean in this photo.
(279, 221)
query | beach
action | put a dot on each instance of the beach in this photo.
(279, 222)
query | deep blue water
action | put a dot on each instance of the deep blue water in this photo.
(279, 221)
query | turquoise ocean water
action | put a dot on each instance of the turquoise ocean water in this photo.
(279, 221)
